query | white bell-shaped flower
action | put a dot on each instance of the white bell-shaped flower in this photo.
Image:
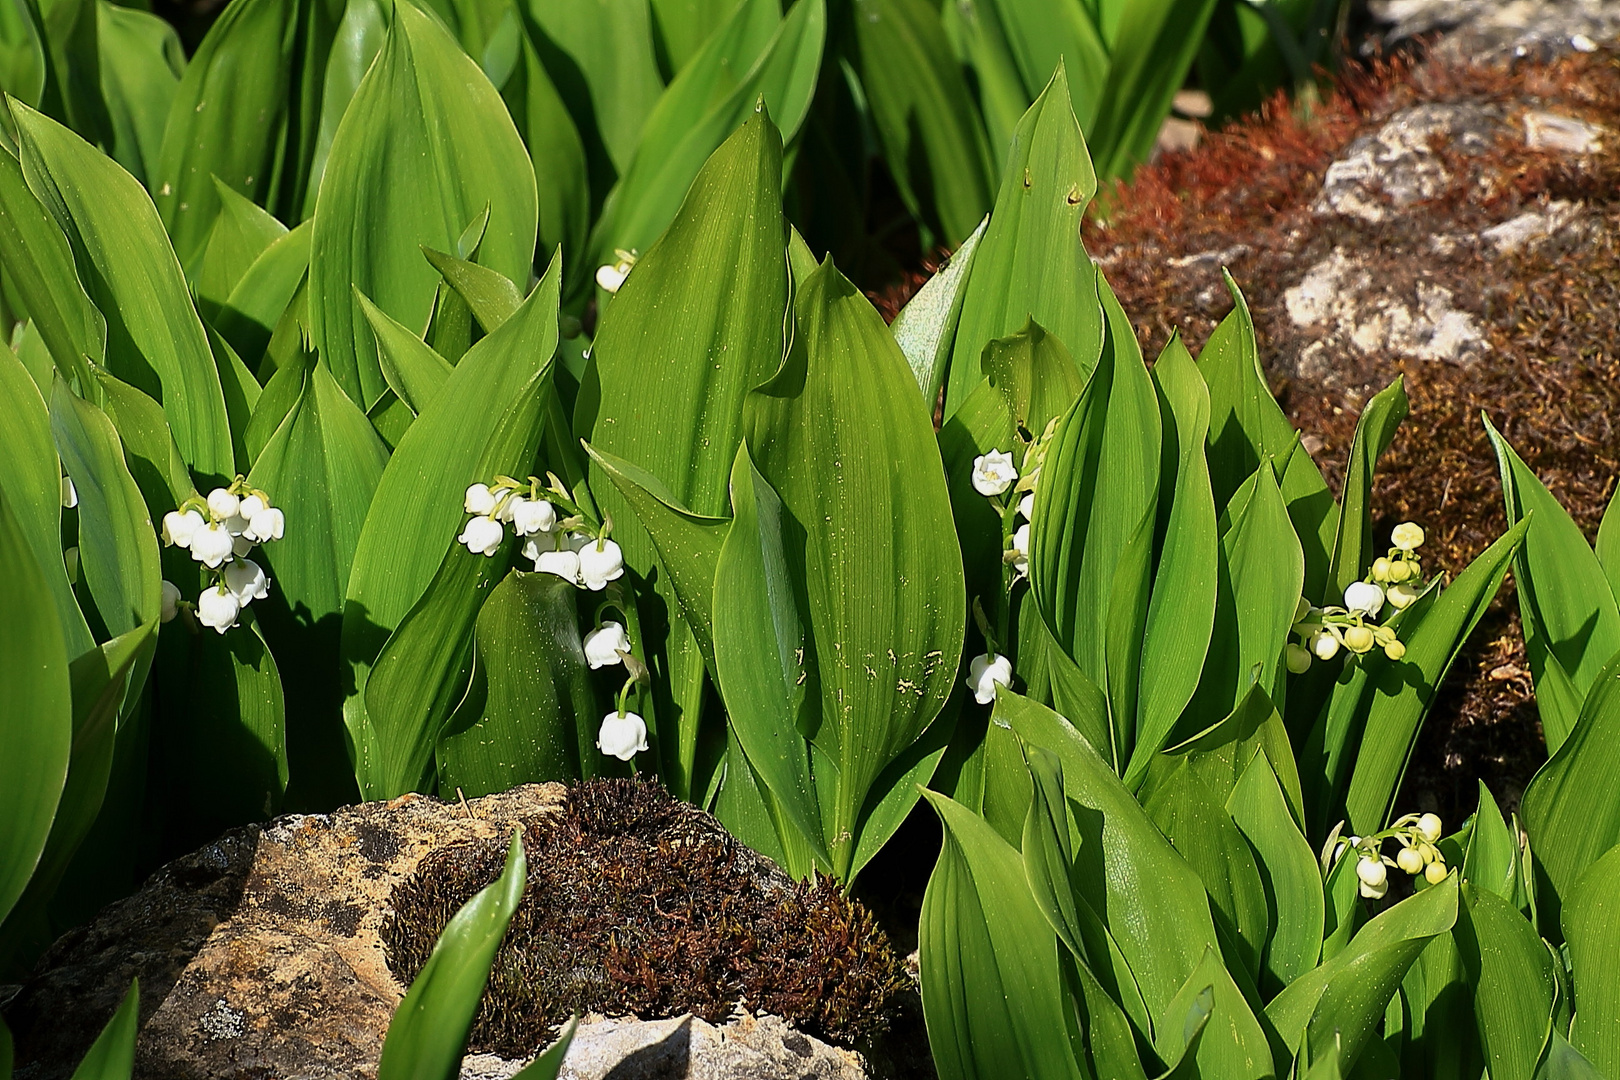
(986, 672)
(599, 563)
(240, 546)
(1373, 892)
(236, 525)
(218, 607)
(1365, 597)
(212, 545)
(538, 544)
(1371, 870)
(623, 735)
(564, 563)
(1026, 506)
(1020, 545)
(246, 579)
(251, 505)
(1324, 645)
(70, 494)
(604, 645)
(993, 473)
(1429, 827)
(530, 516)
(1408, 536)
(610, 276)
(222, 504)
(479, 500)
(267, 524)
(170, 599)
(482, 535)
(179, 526)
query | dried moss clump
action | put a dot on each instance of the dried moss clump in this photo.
(639, 904)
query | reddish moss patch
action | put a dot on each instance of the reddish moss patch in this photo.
(639, 904)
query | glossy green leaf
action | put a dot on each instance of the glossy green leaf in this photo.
(31, 483)
(885, 607)
(1247, 426)
(1492, 858)
(241, 233)
(609, 44)
(141, 65)
(1353, 549)
(557, 153)
(36, 710)
(679, 139)
(455, 441)
(981, 425)
(992, 988)
(1569, 613)
(411, 368)
(1230, 1042)
(549, 1063)
(490, 295)
(1034, 373)
(149, 450)
(1346, 996)
(361, 31)
(259, 300)
(531, 714)
(118, 549)
(428, 1034)
(426, 145)
(1511, 972)
(920, 105)
(1607, 545)
(1570, 808)
(1181, 613)
(1403, 691)
(156, 339)
(245, 112)
(1293, 884)
(39, 266)
(1591, 921)
(1563, 1062)
(112, 1055)
(1031, 264)
(975, 31)
(925, 328)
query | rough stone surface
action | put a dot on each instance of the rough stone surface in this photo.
(1502, 30)
(260, 956)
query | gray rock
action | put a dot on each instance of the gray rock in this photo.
(261, 956)
(1494, 31)
(1384, 172)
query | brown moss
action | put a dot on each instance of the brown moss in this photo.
(638, 904)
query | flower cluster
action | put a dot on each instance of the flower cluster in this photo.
(558, 535)
(611, 275)
(1416, 834)
(220, 531)
(1394, 579)
(993, 474)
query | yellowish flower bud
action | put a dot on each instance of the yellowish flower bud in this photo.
(1409, 860)
(1429, 826)
(1358, 639)
(1435, 873)
(1395, 650)
(1380, 569)
(1400, 571)
(1298, 658)
(1408, 536)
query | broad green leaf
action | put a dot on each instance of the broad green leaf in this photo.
(241, 389)
(361, 31)
(39, 266)
(1511, 972)
(1098, 486)
(921, 107)
(459, 439)
(696, 326)
(684, 25)
(1569, 612)
(1402, 691)
(975, 32)
(1570, 807)
(1231, 1043)
(1591, 921)
(992, 987)
(885, 605)
(557, 153)
(141, 66)
(1034, 373)
(245, 112)
(898, 787)
(220, 743)
(1287, 867)
(1246, 427)
(156, 339)
(1121, 857)
(242, 232)
(1353, 549)
(677, 142)
(981, 425)
(925, 328)
(1434, 1011)
(1031, 264)
(411, 368)
(1492, 859)
(531, 714)
(1043, 37)
(112, 1055)
(31, 484)
(1346, 996)
(1608, 542)
(610, 45)
(426, 145)
(428, 1034)
(68, 30)
(36, 709)
(1181, 613)
(1563, 1062)
(1220, 754)
(117, 548)
(149, 450)
(259, 300)
(760, 654)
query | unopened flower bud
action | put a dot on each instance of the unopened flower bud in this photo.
(170, 601)
(1380, 569)
(610, 277)
(993, 473)
(1400, 570)
(1302, 609)
(599, 563)
(1026, 506)
(1429, 827)
(604, 645)
(70, 494)
(218, 607)
(1409, 861)
(1395, 650)
(1408, 536)
(179, 526)
(1374, 892)
(1324, 645)
(1298, 658)
(1401, 597)
(986, 672)
(479, 500)
(1358, 639)
(222, 504)
(482, 535)
(1435, 873)
(1370, 869)
(623, 735)
(1365, 597)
